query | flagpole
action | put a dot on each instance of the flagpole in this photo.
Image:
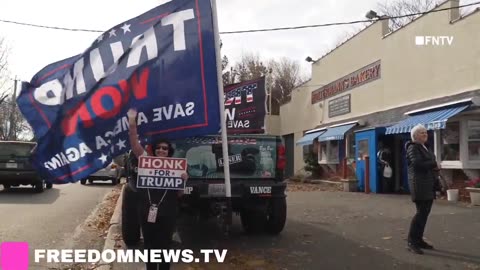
(226, 161)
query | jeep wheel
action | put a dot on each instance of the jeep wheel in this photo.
(130, 225)
(39, 186)
(277, 215)
(49, 185)
(253, 220)
(83, 181)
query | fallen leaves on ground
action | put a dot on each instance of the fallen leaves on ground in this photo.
(240, 260)
(101, 222)
(305, 187)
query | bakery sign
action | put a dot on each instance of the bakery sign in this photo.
(362, 76)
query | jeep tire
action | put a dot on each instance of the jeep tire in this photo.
(253, 220)
(276, 215)
(48, 185)
(130, 225)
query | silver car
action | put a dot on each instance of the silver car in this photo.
(112, 172)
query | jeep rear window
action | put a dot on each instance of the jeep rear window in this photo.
(15, 149)
(249, 157)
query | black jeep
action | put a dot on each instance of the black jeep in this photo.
(257, 185)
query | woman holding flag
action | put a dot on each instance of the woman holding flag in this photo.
(162, 203)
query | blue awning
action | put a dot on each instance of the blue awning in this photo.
(308, 138)
(431, 120)
(335, 133)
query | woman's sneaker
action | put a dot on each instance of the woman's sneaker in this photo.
(425, 245)
(414, 248)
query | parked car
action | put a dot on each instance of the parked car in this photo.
(15, 167)
(120, 161)
(112, 172)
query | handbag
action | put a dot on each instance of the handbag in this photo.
(387, 171)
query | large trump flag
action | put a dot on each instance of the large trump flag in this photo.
(162, 63)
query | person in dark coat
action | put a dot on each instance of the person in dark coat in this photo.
(384, 157)
(422, 179)
(157, 232)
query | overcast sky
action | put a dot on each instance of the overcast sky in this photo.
(33, 48)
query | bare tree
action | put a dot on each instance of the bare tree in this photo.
(227, 75)
(3, 97)
(403, 7)
(286, 75)
(249, 67)
(4, 52)
(281, 76)
(13, 125)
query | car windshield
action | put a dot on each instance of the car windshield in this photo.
(249, 157)
(15, 149)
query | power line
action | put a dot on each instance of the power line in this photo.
(256, 30)
(346, 23)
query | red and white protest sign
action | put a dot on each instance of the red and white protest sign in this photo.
(161, 172)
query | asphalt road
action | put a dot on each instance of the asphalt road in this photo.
(50, 219)
(338, 230)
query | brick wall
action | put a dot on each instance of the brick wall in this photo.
(459, 179)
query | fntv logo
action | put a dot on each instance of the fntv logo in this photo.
(433, 40)
(14, 256)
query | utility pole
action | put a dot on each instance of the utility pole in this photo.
(12, 123)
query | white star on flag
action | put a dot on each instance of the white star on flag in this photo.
(112, 33)
(100, 38)
(103, 158)
(121, 144)
(126, 28)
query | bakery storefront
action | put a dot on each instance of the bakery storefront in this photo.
(369, 92)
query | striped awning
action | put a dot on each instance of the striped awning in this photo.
(308, 138)
(436, 119)
(335, 133)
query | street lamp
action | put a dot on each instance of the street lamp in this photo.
(310, 60)
(373, 15)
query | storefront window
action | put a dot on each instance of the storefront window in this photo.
(450, 142)
(333, 151)
(307, 150)
(328, 152)
(473, 140)
(362, 149)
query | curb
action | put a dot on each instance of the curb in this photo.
(114, 228)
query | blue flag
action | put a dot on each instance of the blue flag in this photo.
(162, 63)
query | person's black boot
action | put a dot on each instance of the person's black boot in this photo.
(414, 248)
(425, 245)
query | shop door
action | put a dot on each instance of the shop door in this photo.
(365, 142)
